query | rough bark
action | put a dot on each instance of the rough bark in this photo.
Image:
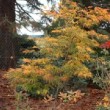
(7, 28)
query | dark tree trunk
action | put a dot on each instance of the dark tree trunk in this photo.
(7, 28)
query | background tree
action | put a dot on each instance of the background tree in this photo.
(8, 28)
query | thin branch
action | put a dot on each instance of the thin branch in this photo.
(21, 8)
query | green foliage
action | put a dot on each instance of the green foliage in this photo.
(101, 108)
(29, 81)
(101, 70)
(23, 42)
(25, 47)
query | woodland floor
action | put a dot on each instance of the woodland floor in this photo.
(8, 100)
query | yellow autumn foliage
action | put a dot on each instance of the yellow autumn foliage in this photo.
(48, 77)
(65, 53)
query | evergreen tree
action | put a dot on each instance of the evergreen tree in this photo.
(8, 28)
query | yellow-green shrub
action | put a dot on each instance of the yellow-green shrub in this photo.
(63, 55)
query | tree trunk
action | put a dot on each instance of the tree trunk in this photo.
(7, 28)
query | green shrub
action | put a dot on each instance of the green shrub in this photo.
(101, 70)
